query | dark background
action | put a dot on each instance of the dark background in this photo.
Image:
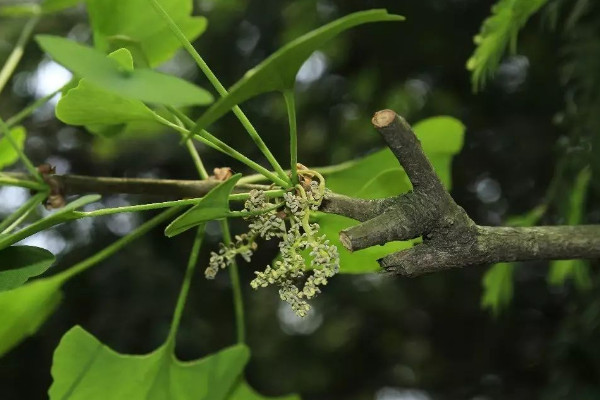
(370, 336)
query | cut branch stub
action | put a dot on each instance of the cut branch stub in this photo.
(450, 238)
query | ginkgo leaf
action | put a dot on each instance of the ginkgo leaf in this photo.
(25, 309)
(498, 287)
(380, 175)
(19, 263)
(8, 154)
(215, 205)
(243, 391)
(136, 21)
(278, 72)
(141, 84)
(85, 369)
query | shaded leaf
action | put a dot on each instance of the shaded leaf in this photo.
(25, 309)
(243, 391)
(278, 72)
(19, 263)
(84, 368)
(137, 21)
(498, 32)
(140, 84)
(215, 205)
(498, 287)
(8, 154)
(578, 270)
(51, 6)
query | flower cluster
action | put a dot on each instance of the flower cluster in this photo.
(296, 283)
(244, 245)
(298, 279)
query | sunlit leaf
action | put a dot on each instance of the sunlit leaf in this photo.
(137, 21)
(88, 104)
(215, 205)
(24, 309)
(498, 287)
(20, 10)
(243, 391)
(278, 72)
(498, 32)
(8, 154)
(379, 175)
(19, 263)
(140, 84)
(84, 368)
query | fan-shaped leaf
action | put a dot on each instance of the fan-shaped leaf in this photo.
(8, 154)
(84, 368)
(140, 84)
(278, 72)
(19, 263)
(137, 21)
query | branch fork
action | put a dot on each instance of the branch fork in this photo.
(450, 237)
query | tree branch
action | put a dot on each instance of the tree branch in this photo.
(450, 238)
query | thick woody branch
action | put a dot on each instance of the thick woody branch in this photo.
(450, 238)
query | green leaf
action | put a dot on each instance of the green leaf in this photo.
(498, 287)
(84, 368)
(87, 104)
(278, 72)
(215, 205)
(8, 154)
(52, 6)
(140, 84)
(136, 20)
(19, 263)
(578, 270)
(379, 175)
(243, 391)
(20, 10)
(371, 176)
(25, 309)
(498, 32)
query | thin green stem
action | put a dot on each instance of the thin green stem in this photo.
(14, 219)
(221, 90)
(212, 141)
(185, 287)
(238, 301)
(24, 113)
(9, 181)
(15, 56)
(291, 111)
(118, 245)
(28, 164)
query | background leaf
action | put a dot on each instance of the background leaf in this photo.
(137, 21)
(84, 368)
(215, 205)
(278, 72)
(25, 309)
(243, 391)
(140, 84)
(8, 154)
(498, 287)
(19, 263)
(498, 32)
